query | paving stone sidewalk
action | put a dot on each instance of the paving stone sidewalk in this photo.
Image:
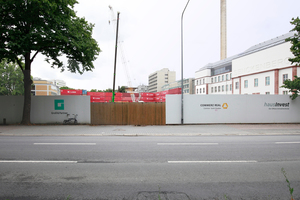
(168, 130)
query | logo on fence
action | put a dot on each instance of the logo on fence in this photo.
(59, 104)
(225, 105)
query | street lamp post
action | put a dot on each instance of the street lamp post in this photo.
(182, 62)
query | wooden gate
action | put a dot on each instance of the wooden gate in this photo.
(128, 114)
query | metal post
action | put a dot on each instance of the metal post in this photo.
(182, 62)
(115, 65)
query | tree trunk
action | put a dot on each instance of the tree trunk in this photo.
(27, 91)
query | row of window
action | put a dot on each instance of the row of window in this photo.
(200, 91)
(200, 81)
(216, 79)
(267, 81)
(221, 78)
(221, 88)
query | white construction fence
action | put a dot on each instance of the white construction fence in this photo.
(199, 109)
(46, 109)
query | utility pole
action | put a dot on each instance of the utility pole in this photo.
(115, 65)
(182, 62)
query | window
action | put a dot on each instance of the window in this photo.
(197, 91)
(216, 79)
(219, 78)
(236, 85)
(267, 92)
(219, 88)
(230, 87)
(285, 92)
(212, 89)
(230, 76)
(256, 82)
(212, 80)
(203, 81)
(222, 88)
(216, 89)
(204, 90)
(268, 80)
(222, 77)
(226, 87)
(246, 84)
(285, 77)
(226, 77)
(200, 90)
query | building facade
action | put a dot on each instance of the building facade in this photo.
(142, 88)
(44, 87)
(188, 86)
(159, 78)
(261, 69)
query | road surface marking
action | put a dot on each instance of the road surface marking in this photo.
(213, 161)
(36, 161)
(287, 142)
(64, 143)
(187, 144)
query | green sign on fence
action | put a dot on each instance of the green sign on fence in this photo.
(59, 104)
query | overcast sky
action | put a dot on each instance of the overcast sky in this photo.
(150, 36)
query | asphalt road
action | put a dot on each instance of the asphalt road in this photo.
(149, 167)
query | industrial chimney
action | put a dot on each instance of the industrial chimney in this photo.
(223, 30)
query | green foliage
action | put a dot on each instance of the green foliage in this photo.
(11, 79)
(122, 89)
(288, 182)
(293, 85)
(295, 40)
(48, 27)
(66, 88)
(107, 90)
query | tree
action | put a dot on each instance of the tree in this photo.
(107, 90)
(295, 40)
(95, 90)
(11, 79)
(122, 89)
(48, 27)
(294, 85)
(66, 88)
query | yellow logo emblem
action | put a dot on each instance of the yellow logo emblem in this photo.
(225, 105)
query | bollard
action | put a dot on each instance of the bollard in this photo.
(4, 121)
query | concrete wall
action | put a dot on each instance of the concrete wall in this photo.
(233, 109)
(46, 109)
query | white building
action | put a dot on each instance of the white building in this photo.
(159, 78)
(260, 69)
(188, 85)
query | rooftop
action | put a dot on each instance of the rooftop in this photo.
(259, 47)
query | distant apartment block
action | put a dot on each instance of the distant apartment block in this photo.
(142, 88)
(159, 78)
(188, 86)
(46, 87)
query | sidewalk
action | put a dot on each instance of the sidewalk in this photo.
(168, 130)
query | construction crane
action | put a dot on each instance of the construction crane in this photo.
(121, 51)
